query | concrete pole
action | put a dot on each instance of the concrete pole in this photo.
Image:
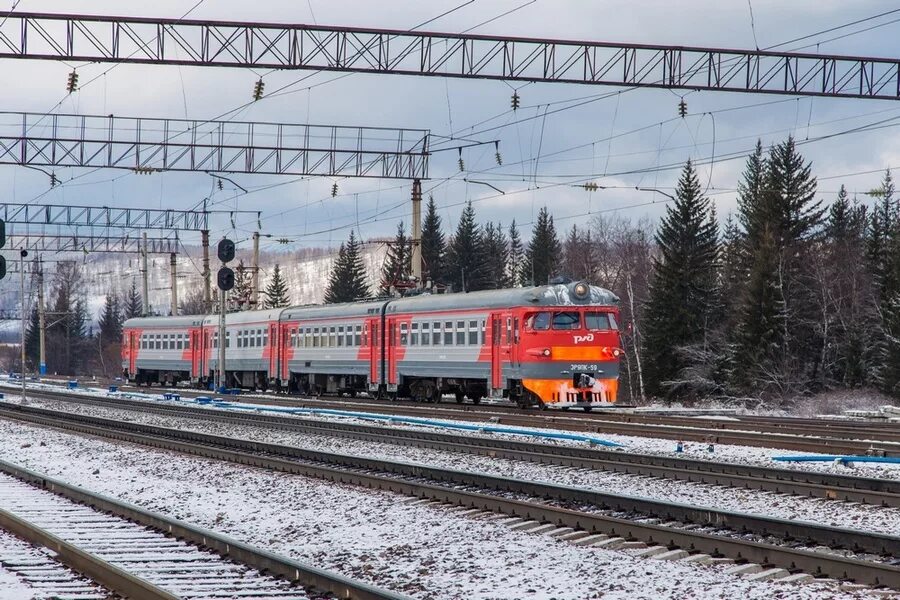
(22, 254)
(254, 282)
(207, 286)
(221, 364)
(42, 327)
(145, 283)
(417, 232)
(173, 267)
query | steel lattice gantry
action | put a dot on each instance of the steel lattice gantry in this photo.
(43, 242)
(103, 216)
(280, 46)
(148, 145)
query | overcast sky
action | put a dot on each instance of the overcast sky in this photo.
(304, 210)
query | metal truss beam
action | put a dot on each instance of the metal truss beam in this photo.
(103, 216)
(42, 242)
(280, 46)
(149, 145)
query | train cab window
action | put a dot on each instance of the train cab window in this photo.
(404, 334)
(436, 334)
(538, 321)
(566, 320)
(460, 333)
(599, 321)
(473, 333)
(358, 336)
(448, 333)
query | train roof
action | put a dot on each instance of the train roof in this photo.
(164, 322)
(330, 311)
(544, 295)
(245, 317)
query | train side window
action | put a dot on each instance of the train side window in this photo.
(265, 338)
(538, 321)
(228, 339)
(436, 334)
(460, 333)
(566, 321)
(473, 333)
(483, 332)
(158, 341)
(414, 334)
(426, 334)
(508, 331)
(448, 333)
(315, 337)
(332, 337)
(404, 334)
(358, 336)
(516, 330)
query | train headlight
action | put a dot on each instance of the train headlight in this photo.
(546, 352)
(581, 290)
(617, 352)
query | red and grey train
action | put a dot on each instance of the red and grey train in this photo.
(552, 346)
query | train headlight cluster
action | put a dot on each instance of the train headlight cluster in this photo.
(581, 290)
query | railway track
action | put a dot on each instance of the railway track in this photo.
(761, 432)
(744, 537)
(868, 490)
(145, 556)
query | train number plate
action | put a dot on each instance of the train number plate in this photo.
(587, 368)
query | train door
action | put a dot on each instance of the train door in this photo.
(196, 350)
(285, 351)
(133, 345)
(271, 351)
(397, 339)
(496, 349)
(373, 336)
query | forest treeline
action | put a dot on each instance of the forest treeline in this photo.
(792, 294)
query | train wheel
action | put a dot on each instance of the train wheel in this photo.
(476, 400)
(587, 409)
(460, 396)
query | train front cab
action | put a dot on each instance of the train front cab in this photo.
(570, 356)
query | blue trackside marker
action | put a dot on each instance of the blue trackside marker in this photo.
(481, 428)
(841, 459)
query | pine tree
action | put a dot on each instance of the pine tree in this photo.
(516, 260)
(240, 293)
(397, 263)
(276, 295)
(496, 251)
(544, 250)
(466, 264)
(347, 282)
(434, 247)
(682, 285)
(110, 320)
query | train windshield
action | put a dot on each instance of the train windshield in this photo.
(566, 320)
(600, 321)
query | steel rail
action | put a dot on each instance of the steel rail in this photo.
(867, 490)
(444, 485)
(92, 567)
(748, 433)
(292, 570)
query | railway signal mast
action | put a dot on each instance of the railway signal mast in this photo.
(225, 280)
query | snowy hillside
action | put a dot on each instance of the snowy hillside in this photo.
(305, 271)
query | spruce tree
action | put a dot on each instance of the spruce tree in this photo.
(682, 284)
(496, 251)
(515, 264)
(276, 295)
(347, 282)
(785, 215)
(397, 263)
(110, 320)
(240, 293)
(544, 250)
(32, 338)
(434, 247)
(133, 305)
(466, 260)
(888, 376)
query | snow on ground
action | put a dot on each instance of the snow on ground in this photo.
(854, 516)
(427, 552)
